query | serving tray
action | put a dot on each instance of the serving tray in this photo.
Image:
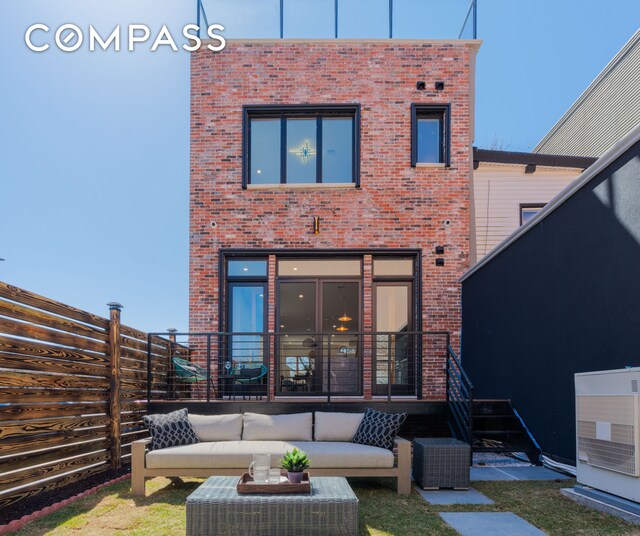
(246, 485)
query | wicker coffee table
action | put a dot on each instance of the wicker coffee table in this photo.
(216, 508)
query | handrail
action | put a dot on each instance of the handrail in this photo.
(342, 360)
(460, 394)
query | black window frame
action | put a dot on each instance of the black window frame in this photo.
(445, 131)
(282, 112)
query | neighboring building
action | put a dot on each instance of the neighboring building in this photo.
(561, 295)
(510, 187)
(606, 111)
(333, 178)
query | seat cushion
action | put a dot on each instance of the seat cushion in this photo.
(336, 426)
(217, 427)
(344, 455)
(239, 454)
(291, 427)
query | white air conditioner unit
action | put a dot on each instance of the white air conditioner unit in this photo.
(608, 431)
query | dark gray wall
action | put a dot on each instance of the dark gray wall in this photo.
(563, 298)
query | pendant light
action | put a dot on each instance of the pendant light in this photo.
(344, 317)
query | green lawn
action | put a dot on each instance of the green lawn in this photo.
(382, 512)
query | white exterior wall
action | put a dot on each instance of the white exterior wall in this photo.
(498, 191)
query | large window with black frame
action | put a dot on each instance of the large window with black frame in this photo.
(301, 145)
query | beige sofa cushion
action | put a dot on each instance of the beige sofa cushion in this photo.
(238, 455)
(292, 427)
(336, 426)
(217, 427)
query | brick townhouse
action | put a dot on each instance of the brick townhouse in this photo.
(330, 210)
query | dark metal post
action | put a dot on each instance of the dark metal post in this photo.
(198, 7)
(329, 376)
(475, 19)
(171, 378)
(389, 367)
(281, 19)
(336, 17)
(328, 367)
(208, 368)
(390, 19)
(148, 369)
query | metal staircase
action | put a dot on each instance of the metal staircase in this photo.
(487, 425)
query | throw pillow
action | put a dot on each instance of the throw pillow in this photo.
(170, 430)
(379, 429)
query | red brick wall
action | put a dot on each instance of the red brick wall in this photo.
(397, 206)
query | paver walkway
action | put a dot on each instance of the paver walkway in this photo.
(489, 523)
(492, 523)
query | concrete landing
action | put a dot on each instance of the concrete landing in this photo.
(493, 523)
(449, 496)
(516, 473)
(604, 502)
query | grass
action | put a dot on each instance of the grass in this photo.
(112, 511)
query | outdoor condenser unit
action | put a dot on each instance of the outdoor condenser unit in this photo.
(608, 431)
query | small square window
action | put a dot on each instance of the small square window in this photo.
(529, 210)
(429, 134)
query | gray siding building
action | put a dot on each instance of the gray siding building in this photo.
(604, 113)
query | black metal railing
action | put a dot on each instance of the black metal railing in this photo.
(460, 392)
(224, 366)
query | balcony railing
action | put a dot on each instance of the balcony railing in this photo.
(404, 19)
(261, 366)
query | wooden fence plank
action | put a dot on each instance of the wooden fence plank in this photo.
(9, 447)
(23, 460)
(10, 395)
(22, 347)
(17, 379)
(12, 498)
(23, 412)
(30, 475)
(44, 364)
(13, 429)
(14, 310)
(45, 334)
(29, 298)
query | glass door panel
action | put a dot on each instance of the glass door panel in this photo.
(246, 315)
(318, 346)
(341, 348)
(394, 352)
(297, 344)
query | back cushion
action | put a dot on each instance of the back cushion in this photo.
(292, 427)
(337, 426)
(217, 427)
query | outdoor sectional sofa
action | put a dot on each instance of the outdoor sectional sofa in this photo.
(227, 444)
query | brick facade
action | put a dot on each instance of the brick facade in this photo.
(397, 206)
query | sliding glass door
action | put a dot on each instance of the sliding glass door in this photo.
(318, 345)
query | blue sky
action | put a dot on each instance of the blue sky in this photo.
(94, 147)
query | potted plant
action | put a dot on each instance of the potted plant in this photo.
(295, 462)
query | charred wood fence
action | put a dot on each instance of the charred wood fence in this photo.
(73, 389)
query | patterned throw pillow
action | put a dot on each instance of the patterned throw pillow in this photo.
(170, 430)
(379, 429)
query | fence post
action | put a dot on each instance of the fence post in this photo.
(114, 383)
